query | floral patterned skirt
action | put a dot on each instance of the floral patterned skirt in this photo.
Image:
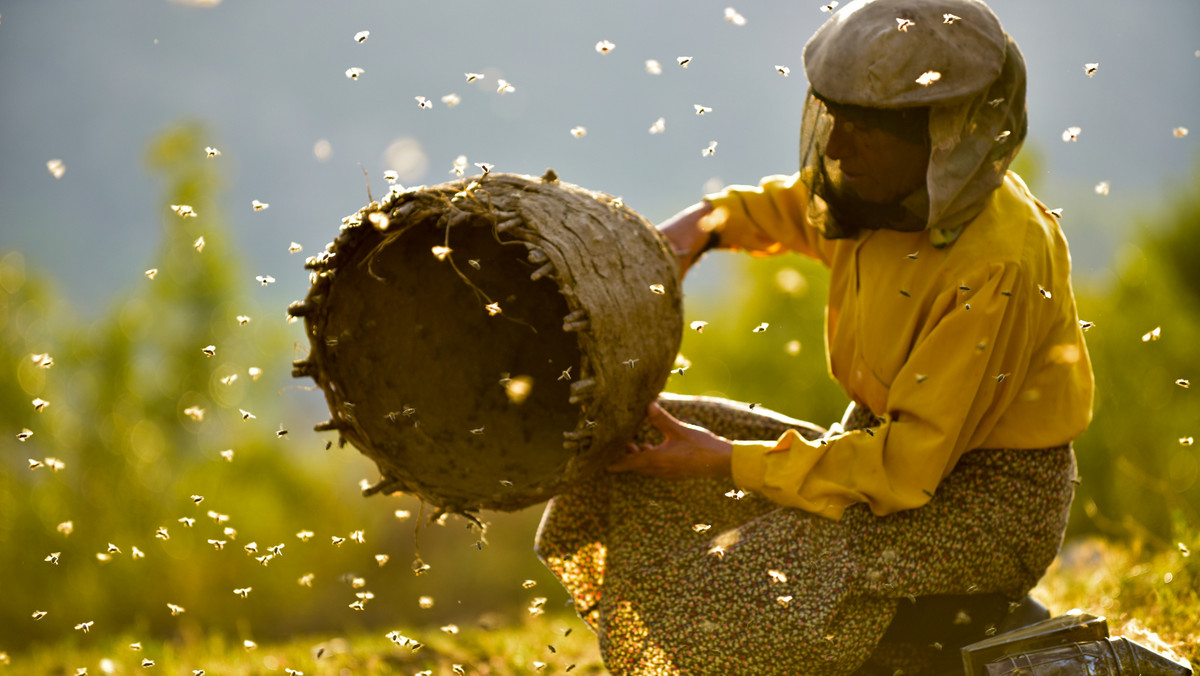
(692, 577)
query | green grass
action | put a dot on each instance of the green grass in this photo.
(1150, 595)
(544, 644)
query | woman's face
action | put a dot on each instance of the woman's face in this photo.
(876, 165)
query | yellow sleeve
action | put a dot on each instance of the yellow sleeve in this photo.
(767, 219)
(961, 375)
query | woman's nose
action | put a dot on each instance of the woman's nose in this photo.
(839, 145)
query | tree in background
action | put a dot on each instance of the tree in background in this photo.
(1140, 471)
(162, 480)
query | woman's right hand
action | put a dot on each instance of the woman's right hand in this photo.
(687, 234)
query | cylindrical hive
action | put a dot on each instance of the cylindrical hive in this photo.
(490, 341)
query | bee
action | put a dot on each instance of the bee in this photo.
(354, 73)
(39, 614)
(684, 61)
(710, 150)
(1090, 68)
(783, 70)
(184, 210)
(56, 168)
(700, 110)
(40, 404)
(259, 206)
(950, 18)
(294, 248)
(361, 36)
(659, 126)
(903, 25)
(208, 350)
(1071, 134)
(734, 17)
(151, 273)
(243, 592)
(175, 609)
(928, 77)
(471, 77)
(605, 47)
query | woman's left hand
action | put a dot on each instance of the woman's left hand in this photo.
(687, 452)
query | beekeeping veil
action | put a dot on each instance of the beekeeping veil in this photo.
(898, 61)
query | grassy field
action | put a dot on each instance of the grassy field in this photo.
(1150, 596)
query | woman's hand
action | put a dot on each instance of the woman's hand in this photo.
(687, 234)
(687, 452)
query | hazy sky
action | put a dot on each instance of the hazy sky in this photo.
(89, 82)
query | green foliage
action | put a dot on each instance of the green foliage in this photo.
(120, 389)
(1137, 461)
(782, 367)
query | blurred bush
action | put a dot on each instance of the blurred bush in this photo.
(1139, 466)
(139, 417)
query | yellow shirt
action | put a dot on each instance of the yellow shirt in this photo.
(974, 345)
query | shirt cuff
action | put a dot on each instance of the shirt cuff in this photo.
(749, 464)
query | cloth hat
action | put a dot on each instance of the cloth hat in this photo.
(951, 56)
(875, 52)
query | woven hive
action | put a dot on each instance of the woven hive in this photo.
(491, 341)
